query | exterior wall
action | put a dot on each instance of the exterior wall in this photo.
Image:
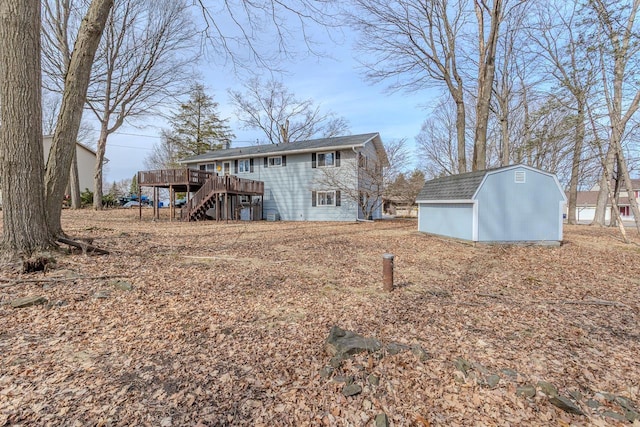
(510, 211)
(288, 189)
(86, 163)
(586, 214)
(365, 181)
(446, 219)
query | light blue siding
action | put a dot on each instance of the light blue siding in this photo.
(510, 211)
(288, 189)
(447, 219)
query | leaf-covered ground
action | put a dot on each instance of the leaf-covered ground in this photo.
(225, 325)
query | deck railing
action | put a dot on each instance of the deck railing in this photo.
(174, 176)
(221, 185)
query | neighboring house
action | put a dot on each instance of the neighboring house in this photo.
(86, 163)
(510, 204)
(587, 200)
(315, 180)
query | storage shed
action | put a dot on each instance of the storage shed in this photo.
(510, 204)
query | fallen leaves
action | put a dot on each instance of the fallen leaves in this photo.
(225, 323)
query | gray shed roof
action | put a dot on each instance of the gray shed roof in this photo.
(453, 187)
(462, 186)
(340, 142)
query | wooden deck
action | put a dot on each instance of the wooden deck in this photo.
(211, 191)
(181, 180)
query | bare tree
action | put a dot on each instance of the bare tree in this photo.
(364, 181)
(143, 59)
(73, 99)
(436, 141)
(25, 229)
(619, 52)
(416, 44)
(283, 118)
(559, 40)
(76, 82)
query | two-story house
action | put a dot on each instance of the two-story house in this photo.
(327, 179)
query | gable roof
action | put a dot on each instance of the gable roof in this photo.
(335, 143)
(463, 187)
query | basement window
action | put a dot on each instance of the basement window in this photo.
(520, 177)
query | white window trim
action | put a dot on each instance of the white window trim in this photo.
(248, 164)
(274, 165)
(318, 204)
(324, 153)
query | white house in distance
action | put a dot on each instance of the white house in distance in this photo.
(301, 178)
(587, 200)
(510, 204)
(86, 162)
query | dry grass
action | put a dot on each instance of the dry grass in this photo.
(226, 322)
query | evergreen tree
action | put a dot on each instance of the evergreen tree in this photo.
(197, 128)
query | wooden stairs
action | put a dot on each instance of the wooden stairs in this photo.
(216, 193)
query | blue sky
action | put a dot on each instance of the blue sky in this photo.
(335, 83)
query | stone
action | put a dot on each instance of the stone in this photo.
(366, 404)
(121, 284)
(343, 379)
(102, 294)
(351, 390)
(526, 390)
(462, 365)
(631, 415)
(593, 404)
(566, 405)
(613, 415)
(548, 388)
(342, 344)
(395, 348)
(575, 395)
(373, 380)
(624, 403)
(493, 380)
(28, 301)
(382, 420)
(326, 372)
(509, 372)
(420, 353)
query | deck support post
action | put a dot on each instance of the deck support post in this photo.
(139, 196)
(172, 201)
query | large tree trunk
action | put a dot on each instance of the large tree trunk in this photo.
(25, 228)
(73, 99)
(461, 134)
(97, 176)
(575, 164)
(74, 183)
(603, 196)
(486, 73)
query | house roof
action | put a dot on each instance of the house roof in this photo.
(462, 186)
(335, 143)
(590, 199)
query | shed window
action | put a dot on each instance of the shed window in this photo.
(520, 177)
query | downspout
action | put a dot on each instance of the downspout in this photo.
(357, 182)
